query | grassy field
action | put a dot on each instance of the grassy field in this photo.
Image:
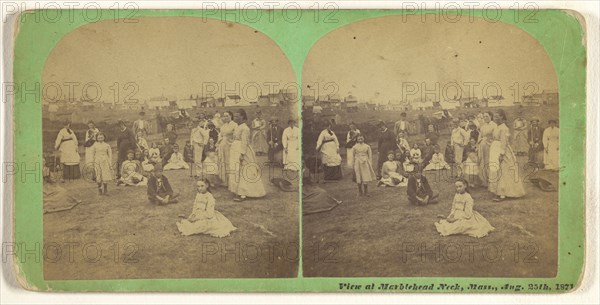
(385, 236)
(140, 240)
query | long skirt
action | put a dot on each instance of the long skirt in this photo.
(245, 176)
(483, 154)
(476, 226)
(551, 160)
(332, 172)
(218, 226)
(363, 170)
(520, 142)
(103, 170)
(259, 141)
(223, 161)
(291, 159)
(504, 175)
(71, 172)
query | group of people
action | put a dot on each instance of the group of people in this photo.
(221, 151)
(481, 151)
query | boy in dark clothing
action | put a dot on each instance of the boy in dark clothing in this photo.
(418, 190)
(449, 153)
(166, 151)
(159, 188)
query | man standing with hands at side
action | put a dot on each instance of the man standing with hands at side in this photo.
(199, 138)
(459, 139)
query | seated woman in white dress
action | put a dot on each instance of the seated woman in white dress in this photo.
(390, 172)
(131, 171)
(176, 161)
(463, 219)
(437, 161)
(204, 218)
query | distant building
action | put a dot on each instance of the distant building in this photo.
(235, 101)
(186, 104)
(158, 103)
(350, 103)
(546, 97)
(264, 101)
(397, 105)
(308, 101)
(421, 105)
(495, 101)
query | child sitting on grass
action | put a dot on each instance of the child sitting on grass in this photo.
(154, 154)
(176, 160)
(131, 171)
(159, 189)
(204, 218)
(463, 219)
(437, 161)
(418, 190)
(391, 172)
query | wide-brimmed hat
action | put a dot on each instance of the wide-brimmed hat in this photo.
(543, 184)
(284, 185)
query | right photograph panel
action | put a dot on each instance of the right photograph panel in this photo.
(430, 148)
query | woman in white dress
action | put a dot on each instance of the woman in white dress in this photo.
(291, 147)
(350, 141)
(486, 138)
(520, 143)
(329, 147)
(504, 174)
(246, 179)
(551, 145)
(67, 145)
(224, 146)
(90, 139)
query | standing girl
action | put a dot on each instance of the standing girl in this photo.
(463, 219)
(350, 142)
(90, 139)
(363, 166)
(486, 137)
(504, 179)
(246, 181)
(102, 156)
(224, 146)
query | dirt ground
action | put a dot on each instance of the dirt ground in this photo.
(385, 236)
(123, 236)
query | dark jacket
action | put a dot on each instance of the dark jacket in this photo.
(386, 142)
(535, 134)
(125, 141)
(156, 188)
(274, 134)
(413, 191)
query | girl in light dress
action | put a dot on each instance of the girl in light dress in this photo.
(363, 166)
(415, 154)
(147, 165)
(463, 219)
(390, 172)
(437, 161)
(155, 153)
(101, 154)
(131, 172)
(204, 218)
(176, 161)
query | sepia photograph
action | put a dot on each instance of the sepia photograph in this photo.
(171, 150)
(430, 149)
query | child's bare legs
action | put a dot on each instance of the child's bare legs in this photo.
(360, 190)
(99, 188)
(365, 191)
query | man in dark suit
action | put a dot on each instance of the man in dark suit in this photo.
(125, 141)
(385, 143)
(536, 146)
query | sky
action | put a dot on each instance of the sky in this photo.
(391, 58)
(171, 56)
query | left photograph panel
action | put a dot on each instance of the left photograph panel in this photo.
(170, 150)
